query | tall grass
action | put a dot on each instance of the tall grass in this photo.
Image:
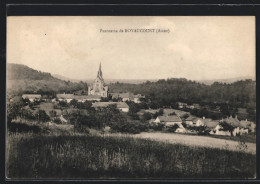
(93, 156)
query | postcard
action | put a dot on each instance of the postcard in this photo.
(131, 97)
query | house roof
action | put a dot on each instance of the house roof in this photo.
(172, 118)
(192, 118)
(105, 104)
(246, 124)
(151, 120)
(131, 96)
(211, 124)
(65, 96)
(232, 121)
(93, 97)
(31, 96)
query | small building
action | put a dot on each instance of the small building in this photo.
(32, 97)
(93, 98)
(212, 124)
(65, 97)
(195, 121)
(169, 120)
(181, 105)
(122, 106)
(248, 125)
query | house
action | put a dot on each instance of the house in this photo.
(212, 124)
(196, 106)
(128, 97)
(181, 105)
(195, 121)
(122, 106)
(151, 121)
(80, 98)
(250, 126)
(93, 98)
(65, 97)
(32, 97)
(190, 106)
(218, 130)
(169, 120)
(239, 127)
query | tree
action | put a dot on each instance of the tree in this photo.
(147, 116)
(173, 128)
(14, 109)
(185, 116)
(53, 113)
(227, 127)
(74, 103)
(42, 116)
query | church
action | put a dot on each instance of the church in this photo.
(98, 88)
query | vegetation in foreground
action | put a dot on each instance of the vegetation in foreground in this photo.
(93, 156)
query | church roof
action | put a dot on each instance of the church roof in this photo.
(99, 74)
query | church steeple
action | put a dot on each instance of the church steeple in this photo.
(100, 72)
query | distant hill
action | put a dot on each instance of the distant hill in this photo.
(21, 78)
(66, 78)
(18, 72)
(107, 81)
(228, 81)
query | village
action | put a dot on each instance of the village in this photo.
(178, 120)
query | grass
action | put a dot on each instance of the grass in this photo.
(246, 137)
(93, 156)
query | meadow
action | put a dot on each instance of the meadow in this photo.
(88, 156)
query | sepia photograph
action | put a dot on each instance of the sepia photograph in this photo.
(131, 97)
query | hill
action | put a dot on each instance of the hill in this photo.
(168, 92)
(23, 79)
(19, 72)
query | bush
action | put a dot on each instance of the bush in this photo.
(22, 127)
(57, 121)
(172, 128)
(157, 126)
(203, 130)
(133, 127)
(147, 116)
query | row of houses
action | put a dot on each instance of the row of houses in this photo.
(82, 98)
(127, 97)
(240, 127)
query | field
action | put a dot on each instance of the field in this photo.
(106, 156)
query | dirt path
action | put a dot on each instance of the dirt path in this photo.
(195, 140)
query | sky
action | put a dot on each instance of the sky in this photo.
(194, 47)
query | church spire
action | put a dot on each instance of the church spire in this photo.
(100, 72)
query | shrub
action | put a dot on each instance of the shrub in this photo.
(172, 128)
(22, 127)
(57, 121)
(129, 127)
(157, 126)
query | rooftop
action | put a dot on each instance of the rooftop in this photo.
(105, 104)
(173, 118)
